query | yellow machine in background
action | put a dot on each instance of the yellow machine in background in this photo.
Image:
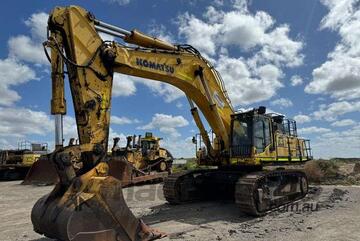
(14, 164)
(144, 159)
(145, 154)
(87, 203)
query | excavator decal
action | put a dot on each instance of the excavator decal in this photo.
(152, 65)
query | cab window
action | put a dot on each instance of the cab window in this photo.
(259, 135)
(241, 137)
(262, 134)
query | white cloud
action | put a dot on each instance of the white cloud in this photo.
(29, 49)
(339, 74)
(13, 73)
(112, 135)
(166, 124)
(332, 111)
(313, 129)
(19, 122)
(168, 92)
(218, 2)
(338, 144)
(123, 85)
(269, 47)
(296, 80)
(240, 27)
(282, 103)
(23, 124)
(24, 48)
(198, 33)
(69, 128)
(179, 105)
(120, 2)
(159, 31)
(245, 86)
(342, 123)
(38, 25)
(179, 147)
(122, 120)
(302, 118)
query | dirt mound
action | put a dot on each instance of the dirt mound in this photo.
(356, 169)
(321, 170)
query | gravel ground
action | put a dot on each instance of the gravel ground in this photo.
(327, 213)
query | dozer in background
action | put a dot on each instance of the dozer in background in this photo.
(15, 163)
(144, 159)
(140, 161)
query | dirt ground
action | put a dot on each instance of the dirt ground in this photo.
(327, 213)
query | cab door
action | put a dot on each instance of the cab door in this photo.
(262, 133)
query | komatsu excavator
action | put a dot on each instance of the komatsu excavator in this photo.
(87, 203)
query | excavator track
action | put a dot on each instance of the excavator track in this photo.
(180, 187)
(256, 193)
(261, 192)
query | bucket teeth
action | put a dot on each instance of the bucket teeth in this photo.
(92, 209)
(147, 233)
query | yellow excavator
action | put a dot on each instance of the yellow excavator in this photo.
(15, 163)
(87, 203)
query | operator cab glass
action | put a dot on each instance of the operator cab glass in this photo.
(241, 138)
(250, 131)
(148, 145)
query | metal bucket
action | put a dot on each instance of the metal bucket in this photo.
(92, 209)
(42, 172)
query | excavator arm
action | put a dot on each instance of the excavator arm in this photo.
(91, 63)
(85, 190)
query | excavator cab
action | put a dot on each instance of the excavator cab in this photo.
(259, 138)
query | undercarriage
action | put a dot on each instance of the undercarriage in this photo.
(255, 192)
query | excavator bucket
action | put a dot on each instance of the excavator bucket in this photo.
(42, 172)
(92, 208)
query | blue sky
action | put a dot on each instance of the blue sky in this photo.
(299, 58)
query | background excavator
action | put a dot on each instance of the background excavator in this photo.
(87, 203)
(15, 163)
